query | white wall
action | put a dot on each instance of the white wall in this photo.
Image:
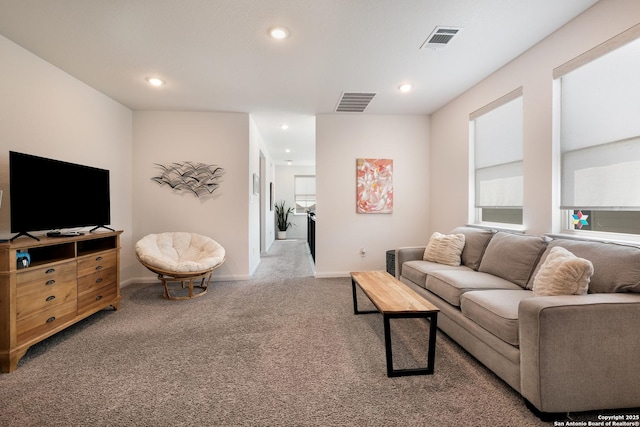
(284, 190)
(533, 71)
(261, 216)
(340, 232)
(213, 138)
(48, 113)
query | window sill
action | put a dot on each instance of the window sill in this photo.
(509, 228)
(625, 239)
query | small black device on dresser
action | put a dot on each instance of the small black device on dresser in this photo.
(64, 234)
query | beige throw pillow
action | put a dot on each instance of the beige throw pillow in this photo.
(444, 249)
(562, 273)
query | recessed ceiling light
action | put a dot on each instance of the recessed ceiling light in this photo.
(405, 87)
(154, 81)
(279, 33)
(289, 162)
(284, 127)
(287, 150)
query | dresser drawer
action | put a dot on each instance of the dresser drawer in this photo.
(44, 297)
(40, 323)
(57, 272)
(97, 298)
(96, 280)
(44, 288)
(96, 262)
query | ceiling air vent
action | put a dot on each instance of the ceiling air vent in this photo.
(440, 37)
(354, 102)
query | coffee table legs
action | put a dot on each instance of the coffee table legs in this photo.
(431, 351)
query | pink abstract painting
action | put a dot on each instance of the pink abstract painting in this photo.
(374, 186)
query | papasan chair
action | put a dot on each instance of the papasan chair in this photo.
(181, 257)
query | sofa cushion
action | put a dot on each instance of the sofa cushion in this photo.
(475, 243)
(512, 256)
(616, 267)
(444, 248)
(496, 311)
(416, 271)
(562, 273)
(451, 284)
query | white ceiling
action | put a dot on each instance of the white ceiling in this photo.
(215, 55)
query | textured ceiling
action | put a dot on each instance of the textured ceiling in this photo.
(215, 55)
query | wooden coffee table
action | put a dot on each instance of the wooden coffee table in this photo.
(395, 300)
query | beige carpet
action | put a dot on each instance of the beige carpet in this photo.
(283, 349)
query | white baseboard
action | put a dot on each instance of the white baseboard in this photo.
(154, 279)
(331, 275)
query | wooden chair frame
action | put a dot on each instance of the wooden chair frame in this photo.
(186, 279)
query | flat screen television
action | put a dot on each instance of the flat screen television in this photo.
(48, 194)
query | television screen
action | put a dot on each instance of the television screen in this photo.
(49, 194)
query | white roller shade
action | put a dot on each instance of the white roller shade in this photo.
(305, 191)
(498, 156)
(605, 176)
(600, 132)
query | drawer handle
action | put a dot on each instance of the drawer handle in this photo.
(51, 298)
(99, 258)
(99, 297)
(99, 267)
(99, 279)
(51, 270)
(50, 282)
(51, 319)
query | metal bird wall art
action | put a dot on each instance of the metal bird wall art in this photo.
(199, 179)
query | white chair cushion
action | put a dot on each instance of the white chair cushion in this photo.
(180, 252)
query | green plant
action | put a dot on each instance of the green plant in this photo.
(282, 216)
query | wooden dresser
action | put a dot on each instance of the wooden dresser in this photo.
(68, 279)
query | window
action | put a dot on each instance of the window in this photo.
(496, 133)
(600, 138)
(305, 193)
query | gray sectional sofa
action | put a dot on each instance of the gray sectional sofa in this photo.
(565, 353)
